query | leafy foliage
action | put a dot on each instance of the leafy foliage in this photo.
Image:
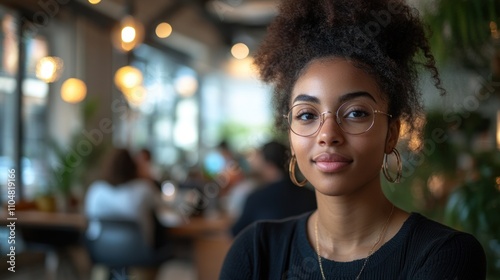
(74, 160)
(461, 29)
(473, 207)
(469, 198)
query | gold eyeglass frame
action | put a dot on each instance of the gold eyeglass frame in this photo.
(323, 118)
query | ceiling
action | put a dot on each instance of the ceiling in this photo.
(213, 24)
(229, 19)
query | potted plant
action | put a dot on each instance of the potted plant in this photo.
(71, 164)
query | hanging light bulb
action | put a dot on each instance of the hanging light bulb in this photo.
(128, 34)
(128, 77)
(73, 90)
(240, 51)
(49, 68)
(163, 30)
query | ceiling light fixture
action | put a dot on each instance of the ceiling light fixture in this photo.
(163, 30)
(74, 90)
(127, 78)
(128, 34)
(240, 51)
(49, 68)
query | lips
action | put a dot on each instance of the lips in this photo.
(330, 162)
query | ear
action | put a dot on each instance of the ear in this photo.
(392, 136)
(292, 152)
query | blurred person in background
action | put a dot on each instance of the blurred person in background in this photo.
(145, 168)
(277, 197)
(232, 170)
(122, 195)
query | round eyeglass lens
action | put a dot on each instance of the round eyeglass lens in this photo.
(353, 117)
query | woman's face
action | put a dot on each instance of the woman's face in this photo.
(333, 161)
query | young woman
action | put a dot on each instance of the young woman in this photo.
(122, 194)
(345, 77)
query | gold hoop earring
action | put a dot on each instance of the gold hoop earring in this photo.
(385, 168)
(291, 169)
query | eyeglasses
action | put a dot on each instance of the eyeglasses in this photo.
(353, 117)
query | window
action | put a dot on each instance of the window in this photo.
(34, 103)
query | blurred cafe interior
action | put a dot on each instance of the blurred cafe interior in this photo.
(174, 79)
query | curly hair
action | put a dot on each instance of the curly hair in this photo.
(382, 37)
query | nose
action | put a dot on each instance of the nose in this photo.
(330, 132)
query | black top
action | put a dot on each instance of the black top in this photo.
(277, 200)
(422, 249)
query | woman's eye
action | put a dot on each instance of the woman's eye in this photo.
(307, 116)
(357, 114)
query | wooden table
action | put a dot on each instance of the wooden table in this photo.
(45, 219)
(210, 239)
(198, 226)
(52, 233)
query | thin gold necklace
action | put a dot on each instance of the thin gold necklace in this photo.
(382, 233)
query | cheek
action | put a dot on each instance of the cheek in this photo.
(369, 150)
(297, 143)
(300, 147)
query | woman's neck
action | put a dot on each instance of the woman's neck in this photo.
(348, 228)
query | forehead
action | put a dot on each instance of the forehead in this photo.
(330, 78)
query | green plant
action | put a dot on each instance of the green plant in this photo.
(461, 29)
(72, 161)
(473, 207)
(469, 198)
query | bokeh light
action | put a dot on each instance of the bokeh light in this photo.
(163, 30)
(240, 51)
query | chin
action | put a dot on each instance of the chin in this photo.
(340, 186)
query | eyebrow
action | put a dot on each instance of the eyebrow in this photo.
(342, 99)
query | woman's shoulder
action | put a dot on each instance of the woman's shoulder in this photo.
(430, 229)
(436, 237)
(439, 250)
(141, 185)
(139, 182)
(262, 247)
(280, 226)
(99, 185)
(273, 232)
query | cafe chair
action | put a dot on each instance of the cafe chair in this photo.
(120, 245)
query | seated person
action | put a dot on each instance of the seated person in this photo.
(145, 167)
(121, 194)
(278, 198)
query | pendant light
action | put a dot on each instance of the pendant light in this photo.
(49, 68)
(74, 90)
(128, 33)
